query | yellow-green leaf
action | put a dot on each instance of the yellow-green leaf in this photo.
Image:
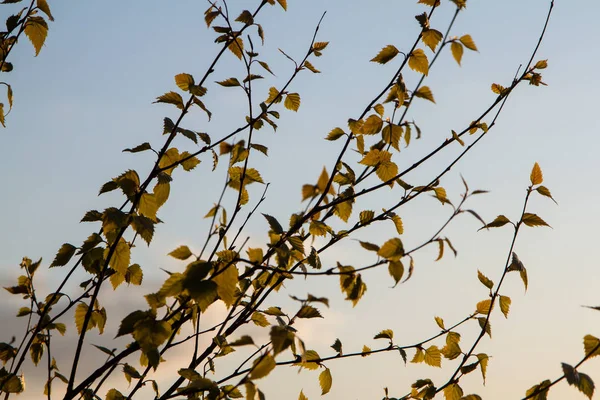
(457, 51)
(418, 61)
(262, 367)
(483, 362)
(325, 381)
(505, 305)
(485, 280)
(227, 281)
(45, 8)
(396, 270)
(386, 54)
(372, 125)
(36, 30)
(591, 346)
(120, 257)
(453, 392)
(302, 396)
(184, 81)
(425, 93)
(181, 253)
(385, 334)
(433, 356)
(484, 306)
(171, 98)
(419, 356)
(63, 256)
(468, 42)
(80, 312)
(398, 224)
(533, 220)
(440, 322)
(237, 47)
(499, 221)
(386, 170)
(541, 64)
(431, 38)
(292, 101)
(536, 176)
(393, 249)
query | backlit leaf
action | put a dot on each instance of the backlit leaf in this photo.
(325, 381)
(120, 257)
(393, 249)
(262, 367)
(440, 322)
(385, 334)
(586, 385)
(468, 42)
(433, 356)
(372, 125)
(36, 30)
(431, 38)
(591, 346)
(237, 47)
(484, 306)
(484, 279)
(453, 392)
(418, 61)
(181, 253)
(499, 221)
(386, 54)
(425, 93)
(536, 176)
(184, 81)
(292, 101)
(533, 220)
(63, 256)
(171, 98)
(505, 305)
(45, 8)
(396, 270)
(457, 51)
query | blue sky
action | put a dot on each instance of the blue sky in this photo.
(88, 95)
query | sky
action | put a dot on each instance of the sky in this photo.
(89, 94)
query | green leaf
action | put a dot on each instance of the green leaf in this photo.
(325, 381)
(386, 54)
(262, 367)
(150, 333)
(418, 61)
(533, 220)
(292, 101)
(181, 253)
(36, 30)
(63, 256)
(259, 319)
(134, 275)
(184, 81)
